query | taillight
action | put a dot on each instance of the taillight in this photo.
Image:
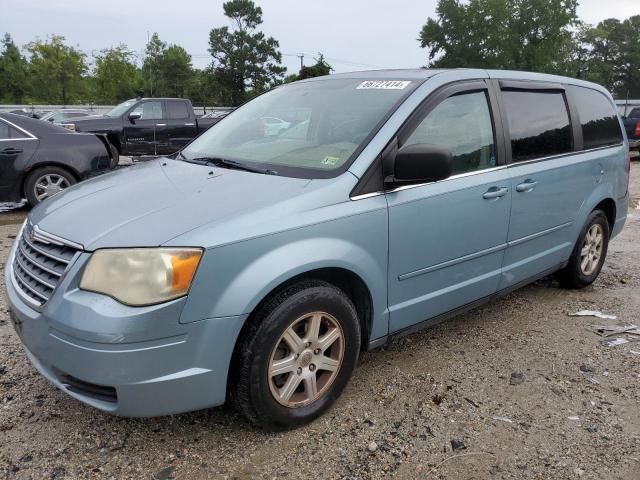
(637, 132)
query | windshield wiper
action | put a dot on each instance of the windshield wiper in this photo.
(224, 162)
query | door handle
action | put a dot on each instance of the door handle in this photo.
(526, 186)
(189, 124)
(161, 124)
(11, 151)
(495, 192)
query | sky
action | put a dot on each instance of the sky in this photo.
(352, 34)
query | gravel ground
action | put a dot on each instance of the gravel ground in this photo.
(514, 389)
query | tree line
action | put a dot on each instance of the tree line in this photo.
(535, 35)
(244, 63)
(532, 35)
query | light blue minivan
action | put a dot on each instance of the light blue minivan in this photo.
(256, 264)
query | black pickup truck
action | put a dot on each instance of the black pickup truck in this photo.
(632, 126)
(146, 126)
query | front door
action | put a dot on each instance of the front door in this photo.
(147, 134)
(549, 182)
(447, 239)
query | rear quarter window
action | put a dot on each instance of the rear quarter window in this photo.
(7, 132)
(177, 110)
(538, 123)
(598, 118)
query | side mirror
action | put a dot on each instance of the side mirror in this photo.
(133, 116)
(421, 163)
(50, 119)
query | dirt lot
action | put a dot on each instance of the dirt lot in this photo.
(576, 413)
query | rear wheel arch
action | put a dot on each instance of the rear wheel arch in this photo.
(608, 206)
(39, 166)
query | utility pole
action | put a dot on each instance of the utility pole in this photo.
(150, 72)
(301, 57)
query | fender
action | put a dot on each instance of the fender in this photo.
(244, 275)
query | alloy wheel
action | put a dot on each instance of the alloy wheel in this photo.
(49, 184)
(306, 359)
(592, 249)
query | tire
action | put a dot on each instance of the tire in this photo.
(115, 155)
(33, 185)
(579, 272)
(267, 400)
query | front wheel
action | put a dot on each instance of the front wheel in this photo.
(588, 254)
(297, 356)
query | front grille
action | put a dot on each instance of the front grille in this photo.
(39, 263)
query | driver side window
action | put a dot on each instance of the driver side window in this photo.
(461, 123)
(149, 110)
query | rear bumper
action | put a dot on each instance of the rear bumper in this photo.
(622, 207)
(184, 371)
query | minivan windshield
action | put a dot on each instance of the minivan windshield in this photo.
(307, 129)
(118, 110)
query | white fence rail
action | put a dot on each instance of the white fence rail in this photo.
(99, 109)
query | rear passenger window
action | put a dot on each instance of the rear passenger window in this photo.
(177, 110)
(461, 123)
(598, 117)
(538, 124)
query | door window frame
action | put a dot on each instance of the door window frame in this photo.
(164, 113)
(29, 135)
(372, 182)
(537, 86)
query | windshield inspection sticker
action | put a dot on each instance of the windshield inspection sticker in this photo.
(328, 160)
(383, 84)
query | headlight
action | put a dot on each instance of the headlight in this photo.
(141, 276)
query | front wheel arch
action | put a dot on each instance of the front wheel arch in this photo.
(350, 283)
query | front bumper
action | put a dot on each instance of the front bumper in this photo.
(127, 361)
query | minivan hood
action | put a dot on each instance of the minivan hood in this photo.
(149, 204)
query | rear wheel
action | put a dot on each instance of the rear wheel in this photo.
(588, 254)
(297, 356)
(45, 182)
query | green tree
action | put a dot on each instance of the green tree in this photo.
(245, 61)
(533, 35)
(175, 71)
(13, 73)
(318, 69)
(56, 71)
(151, 66)
(611, 55)
(202, 89)
(167, 69)
(115, 76)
